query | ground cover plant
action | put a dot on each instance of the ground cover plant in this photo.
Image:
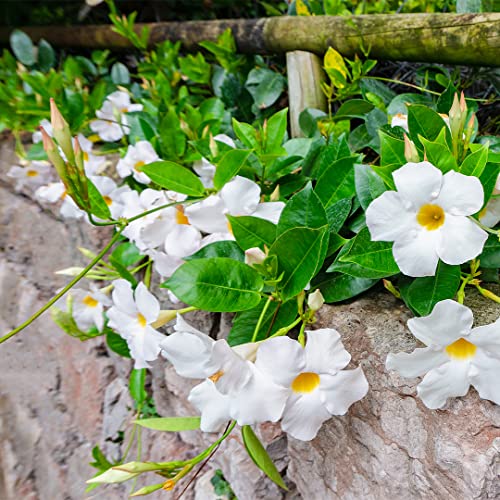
(188, 161)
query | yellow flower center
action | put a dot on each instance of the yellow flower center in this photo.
(108, 200)
(31, 173)
(230, 228)
(85, 156)
(139, 164)
(180, 216)
(431, 217)
(142, 320)
(124, 110)
(305, 382)
(216, 376)
(482, 213)
(461, 349)
(90, 301)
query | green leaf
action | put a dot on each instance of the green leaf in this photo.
(170, 424)
(64, 320)
(369, 185)
(489, 178)
(252, 232)
(136, 385)
(475, 162)
(424, 293)
(392, 150)
(308, 121)
(23, 48)
(304, 209)
(276, 130)
(244, 323)
(354, 108)
(265, 86)
(117, 344)
(300, 252)
(336, 287)
(490, 256)
(337, 181)
(217, 285)
(229, 165)
(229, 249)
(126, 254)
(120, 74)
(246, 134)
(439, 153)
(170, 175)
(337, 214)
(98, 206)
(46, 55)
(260, 456)
(423, 121)
(172, 138)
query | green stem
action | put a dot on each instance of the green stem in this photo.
(286, 329)
(209, 450)
(399, 82)
(70, 285)
(261, 318)
(485, 228)
(302, 338)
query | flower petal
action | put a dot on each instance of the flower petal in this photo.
(447, 322)
(416, 253)
(483, 375)
(234, 371)
(213, 405)
(487, 337)
(144, 346)
(387, 217)
(341, 390)
(325, 352)
(447, 381)
(416, 363)
(241, 196)
(461, 240)
(123, 297)
(183, 240)
(147, 303)
(304, 414)
(208, 215)
(281, 359)
(418, 183)
(270, 211)
(460, 194)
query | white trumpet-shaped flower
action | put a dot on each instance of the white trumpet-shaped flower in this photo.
(241, 196)
(233, 388)
(317, 385)
(112, 123)
(56, 192)
(139, 154)
(131, 316)
(427, 218)
(205, 169)
(111, 193)
(88, 308)
(33, 175)
(456, 355)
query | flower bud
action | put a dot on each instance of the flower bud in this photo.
(214, 149)
(315, 300)
(411, 153)
(165, 316)
(275, 195)
(61, 131)
(55, 158)
(113, 476)
(254, 256)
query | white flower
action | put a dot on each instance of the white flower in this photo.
(314, 378)
(234, 388)
(138, 155)
(112, 124)
(490, 215)
(241, 196)
(37, 135)
(131, 316)
(456, 355)
(315, 300)
(427, 218)
(111, 193)
(54, 192)
(88, 307)
(205, 169)
(93, 164)
(33, 175)
(400, 120)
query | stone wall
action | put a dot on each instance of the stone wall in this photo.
(59, 397)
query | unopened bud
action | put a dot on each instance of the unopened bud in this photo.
(61, 131)
(147, 490)
(169, 485)
(254, 256)
(315, 300)
(469, 129)
(164, 317)
(489, 294)
(411, 153)
(214, 149)
(54, 157)
(113, 476)
(275, 195)
(79, 156)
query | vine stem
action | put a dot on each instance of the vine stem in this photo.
(261, 318)
(70, 285)
(483, 227)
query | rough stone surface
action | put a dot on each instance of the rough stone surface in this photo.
(59, 397)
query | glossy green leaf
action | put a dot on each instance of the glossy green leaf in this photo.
(120, 74)
(217, 285)
(300, 252)
(117, 344)
(229, 165)
(490, 256)
(439, 153)
(337, 214)
(170, 175)
(369, 185)
(246, 134)
(136, 384)
(304, 209)
(260, 457)
(23, 48)
(127, 254)
(170, 424)
(336, 287)
(98, 206)
(65, 321)
(276, 130)
(46, 55)
(229, 249)
(423, 121)
(475, 162)
(172, 138)
(353, 108)
(252, 232)
(489, 178)
(337, 181)
(424, 293)
(265, 86)
(392, 150)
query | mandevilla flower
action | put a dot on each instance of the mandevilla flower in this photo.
(55, 192)
(131, 316)
(111, 193)
(314, 378)
(456, 357)
(33, 175)
(138, 155)
(88, 307)
(426, 218)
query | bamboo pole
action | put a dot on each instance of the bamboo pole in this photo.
(472, 39)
